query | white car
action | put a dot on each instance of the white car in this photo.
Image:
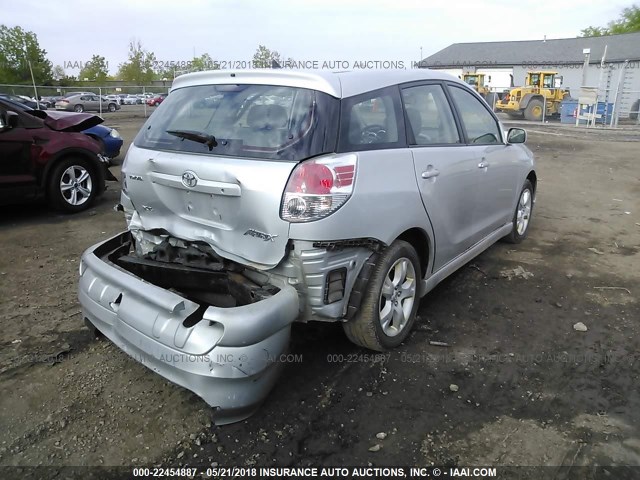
(114, 98)
(131, 100)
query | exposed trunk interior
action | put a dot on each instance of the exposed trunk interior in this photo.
(193, 271)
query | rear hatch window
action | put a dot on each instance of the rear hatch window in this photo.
(254, 121)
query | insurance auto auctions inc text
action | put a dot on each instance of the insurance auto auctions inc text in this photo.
(374, 472)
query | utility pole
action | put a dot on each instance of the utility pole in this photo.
(33, 80)
(587, 56)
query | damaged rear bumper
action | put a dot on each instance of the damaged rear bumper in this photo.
(229, 357)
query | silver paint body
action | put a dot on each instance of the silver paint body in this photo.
(462, 209)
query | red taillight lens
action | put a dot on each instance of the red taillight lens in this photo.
(318, 188)
(312, 179)
(344, 175)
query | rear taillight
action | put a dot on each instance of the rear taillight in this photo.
(317, 188)
(64, 101)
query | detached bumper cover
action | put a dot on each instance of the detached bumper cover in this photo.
(229, 358)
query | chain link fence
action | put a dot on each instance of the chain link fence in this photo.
(619, 102)
(127, 97)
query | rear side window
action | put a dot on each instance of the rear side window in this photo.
(480, 126)
(255, 121)
(429, 117)
(371, 121)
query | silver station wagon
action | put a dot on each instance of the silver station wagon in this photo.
(254, 199)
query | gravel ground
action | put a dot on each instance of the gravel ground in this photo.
(517, 385)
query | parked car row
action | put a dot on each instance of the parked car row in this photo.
(24, 100)
(70, 101)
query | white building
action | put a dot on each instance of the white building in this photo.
(509, 62)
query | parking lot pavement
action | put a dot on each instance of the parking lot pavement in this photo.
(517, 383)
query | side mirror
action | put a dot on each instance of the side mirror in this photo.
(516, 135)
(9, 120)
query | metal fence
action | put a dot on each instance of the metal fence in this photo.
(616, 88)
(125, 95)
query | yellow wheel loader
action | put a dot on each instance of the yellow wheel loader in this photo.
(477, 81)
(542, 89)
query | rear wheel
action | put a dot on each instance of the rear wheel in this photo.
(73, 185)
(78, 108)
(390, 302)
(534, 110)
(112, 107)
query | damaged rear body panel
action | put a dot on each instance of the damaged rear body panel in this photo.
(217, 201)
(204, 285)
(225, 354)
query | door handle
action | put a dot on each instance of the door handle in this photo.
(430, 173)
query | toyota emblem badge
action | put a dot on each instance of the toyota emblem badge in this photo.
(189, 179)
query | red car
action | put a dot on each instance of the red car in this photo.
(44, 155)
(156, 100)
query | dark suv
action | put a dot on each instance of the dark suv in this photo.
(44, 155)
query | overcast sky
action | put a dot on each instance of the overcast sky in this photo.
(323, 30)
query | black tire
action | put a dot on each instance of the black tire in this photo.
(64, 201)
(633, 114)
(534, 110)
(78, 108)
(366, 329)
(112, 107)
(515, 236)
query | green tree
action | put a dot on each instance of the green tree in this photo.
(628, 22)
(202, 63)
(139, 67)
(18, 48)
(288, 63)
(95, 70)
(61, 78)
(265, 58)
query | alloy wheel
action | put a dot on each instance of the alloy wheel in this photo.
(397, 297)
(524, 211)
(76, 185)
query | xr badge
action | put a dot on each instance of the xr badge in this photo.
(264, 236)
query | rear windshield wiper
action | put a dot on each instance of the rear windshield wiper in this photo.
(209, 140)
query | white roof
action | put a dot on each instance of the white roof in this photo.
(338, 84)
